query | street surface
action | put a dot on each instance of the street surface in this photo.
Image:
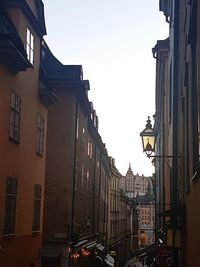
(134, 263)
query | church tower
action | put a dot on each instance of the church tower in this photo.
(129, 182)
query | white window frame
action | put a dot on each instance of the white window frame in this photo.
(30, 46)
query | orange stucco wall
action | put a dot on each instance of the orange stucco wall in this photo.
(21, 251)
(20, 161)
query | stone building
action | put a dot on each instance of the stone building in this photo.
(139, 188)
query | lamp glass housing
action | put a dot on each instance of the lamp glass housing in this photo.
(148, 138)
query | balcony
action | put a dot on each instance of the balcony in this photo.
(11, 57)
(12, 53)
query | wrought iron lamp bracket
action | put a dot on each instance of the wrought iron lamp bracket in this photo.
(159, 159)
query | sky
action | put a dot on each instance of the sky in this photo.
(113, 41)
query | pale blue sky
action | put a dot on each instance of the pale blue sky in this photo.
(112, 40)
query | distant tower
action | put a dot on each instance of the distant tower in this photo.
(129, 182)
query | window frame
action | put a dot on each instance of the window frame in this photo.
(37, 197)
(82, 178)
(40, 128)
(30, 45)
(90, 149)
(10, 207)
(14, 117)
(88, 181)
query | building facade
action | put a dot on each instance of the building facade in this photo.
(122, 219)
(23, 126)
(163, 128)
(139, 189)
(77, 170)
(57, 206)
(114, 229)
(125, 227)
(178, 129)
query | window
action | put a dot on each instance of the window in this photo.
(15, 108)
(89, 149)
(77, 127)
(76, 176)
(98, 164)
(10, 208)
(82, 178)
(40, 135)
(36, 208)
(88, 180)
(29, 45)
(83, 137)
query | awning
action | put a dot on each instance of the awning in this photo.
(100, 247)
(90, 245)
(143, 255)
(109, 260)
(81, 243)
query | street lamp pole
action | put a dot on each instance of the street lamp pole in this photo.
(149, 136)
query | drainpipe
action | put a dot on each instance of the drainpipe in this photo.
(94, 190)
(175, 104)
(74, 171)
(99, 197)
(194, 88)
(174, 178)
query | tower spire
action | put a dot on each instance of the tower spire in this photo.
(129, 165)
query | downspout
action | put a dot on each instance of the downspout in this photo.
(99, 198)
(94, 187)
(174, 178)
(105, 206)
(74, 170)
(163, 142)
(194, 89)
(175, 105)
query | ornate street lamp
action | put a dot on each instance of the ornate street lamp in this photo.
(148, 136)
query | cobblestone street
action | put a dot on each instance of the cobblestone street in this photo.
(134, 262)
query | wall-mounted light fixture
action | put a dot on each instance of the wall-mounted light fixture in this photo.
(148, 136)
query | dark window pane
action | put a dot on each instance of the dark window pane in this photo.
(40, 135)
(36, 209)
(10, 207)
(15, 106)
